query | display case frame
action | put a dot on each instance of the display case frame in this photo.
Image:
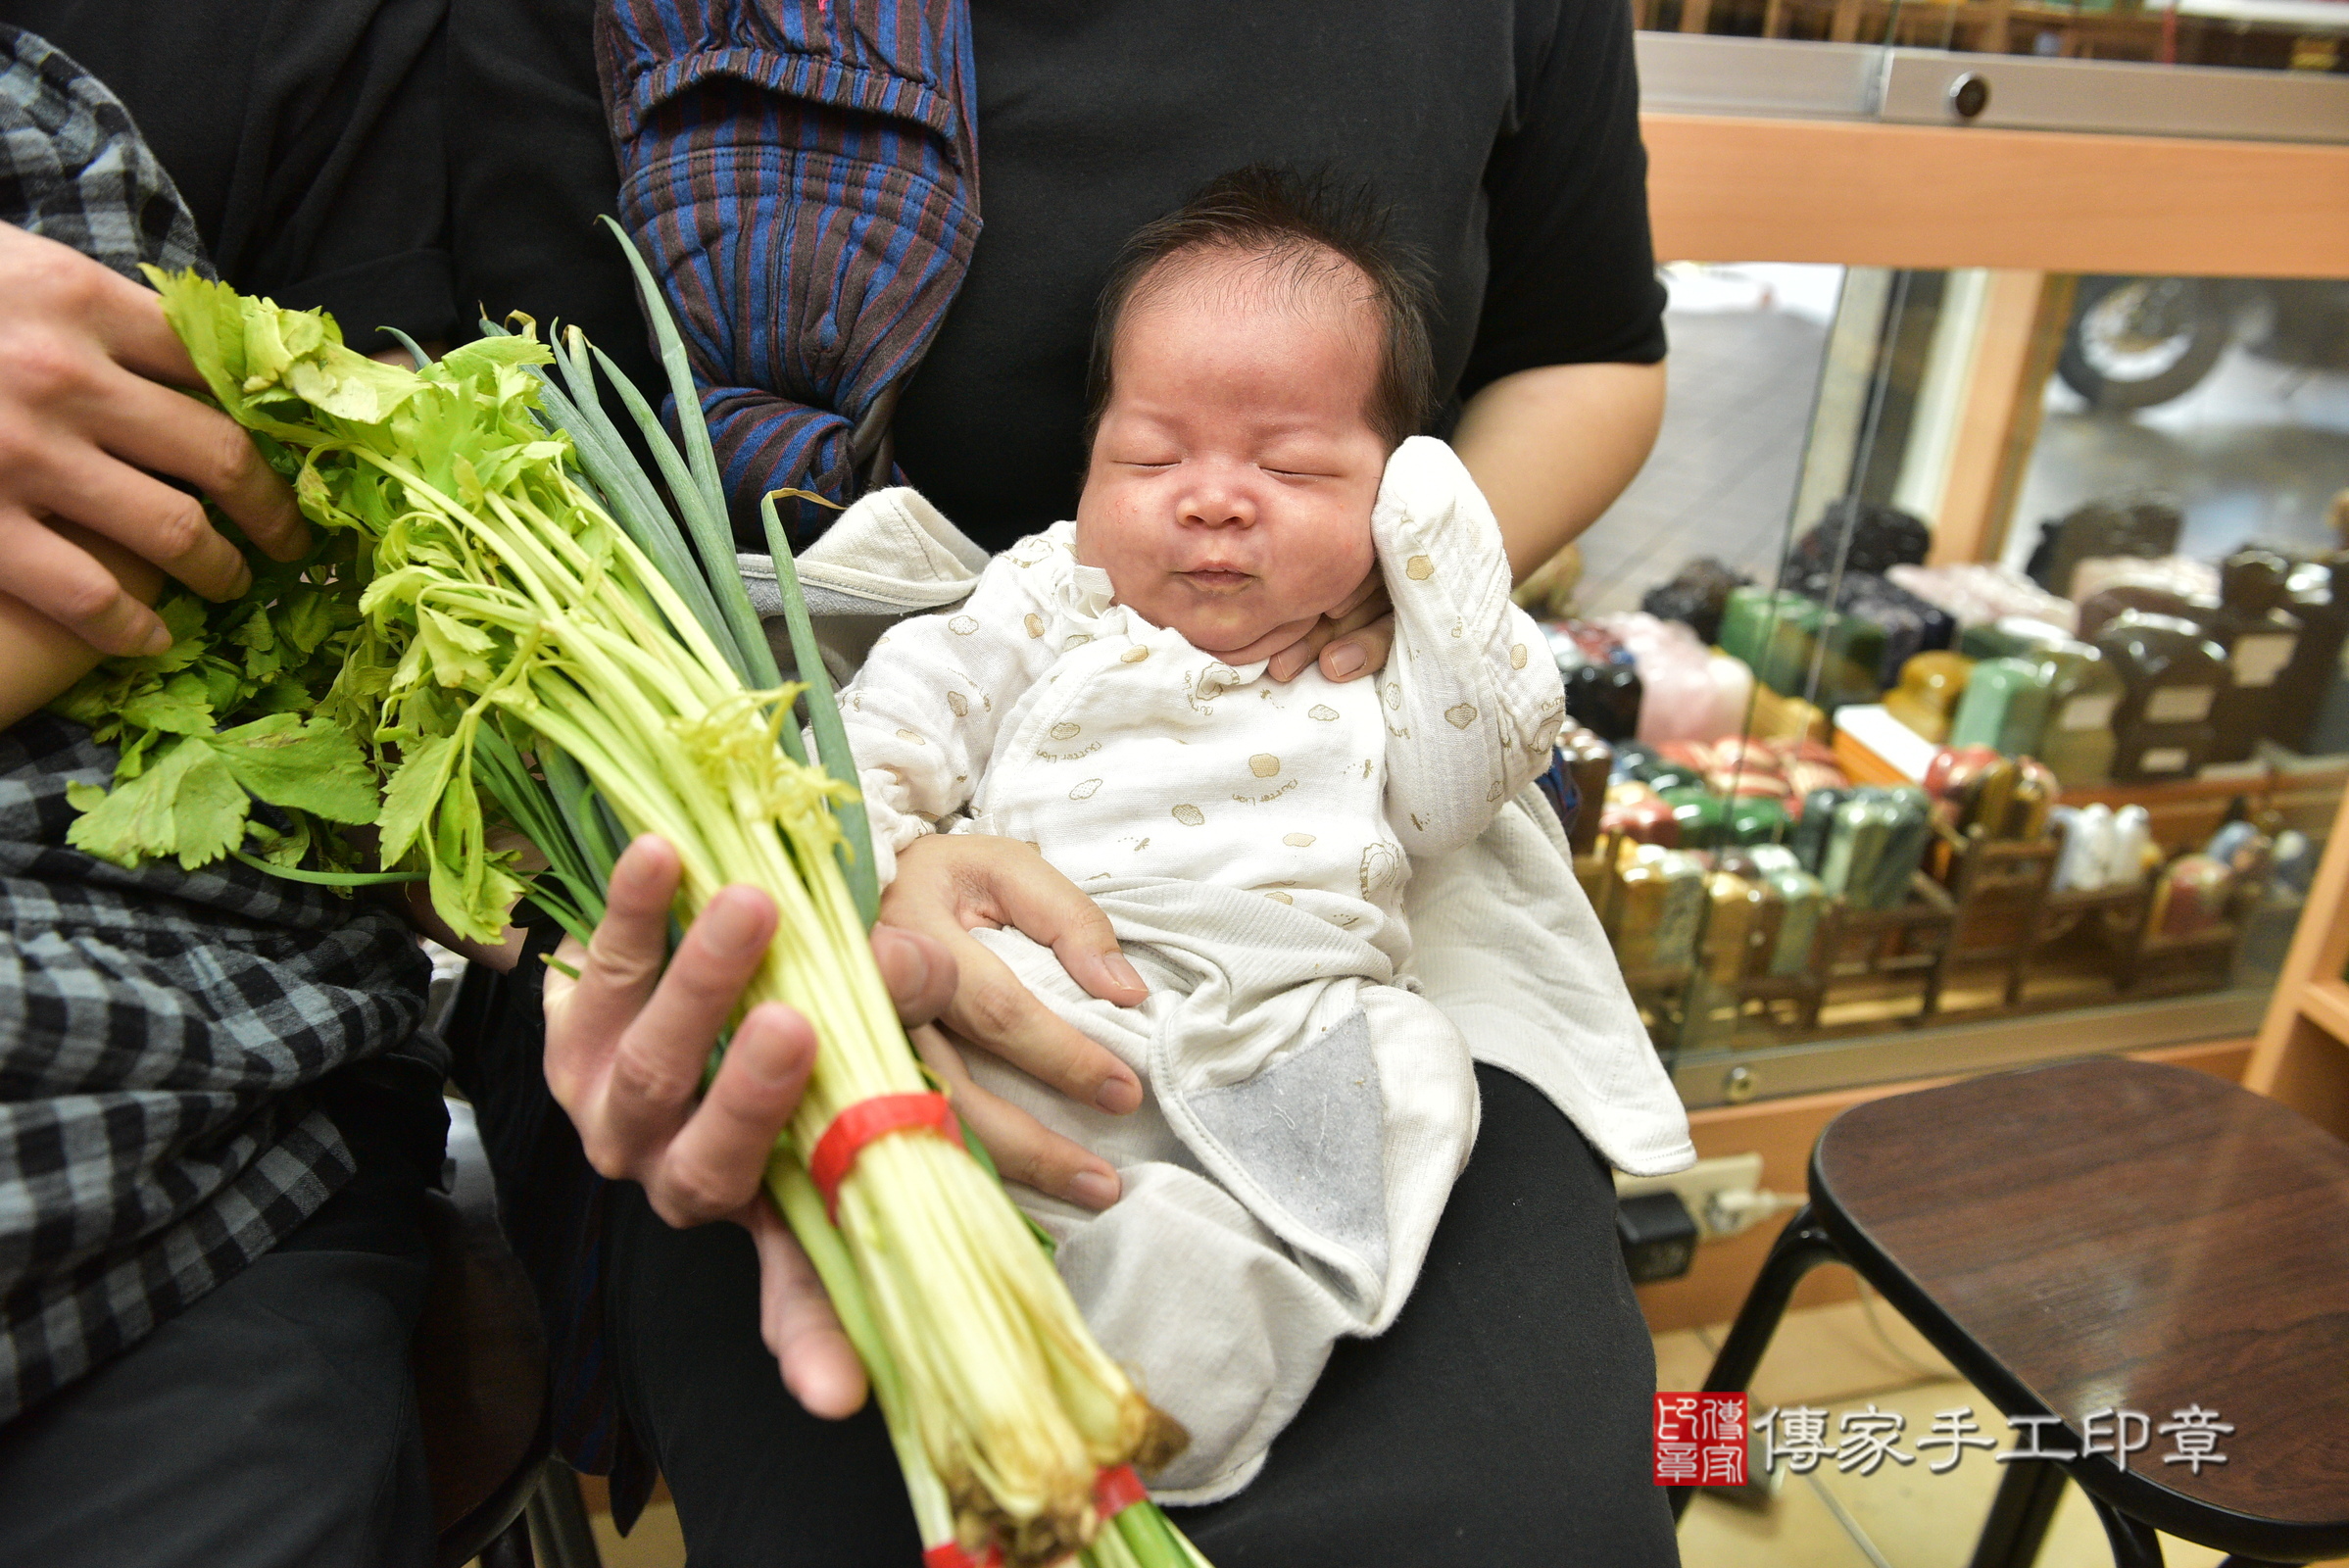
(1792, 152)
(1770, 78)
(1846, 154)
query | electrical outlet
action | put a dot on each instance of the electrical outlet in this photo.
(1703, 1186)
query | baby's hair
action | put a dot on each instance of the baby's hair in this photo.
(1295, 225)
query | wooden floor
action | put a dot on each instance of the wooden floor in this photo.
(654, 1543)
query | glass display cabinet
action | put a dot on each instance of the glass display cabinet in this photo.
(2008, 408)
(1964, 676)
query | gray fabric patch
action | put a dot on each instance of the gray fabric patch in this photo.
(1312, 1131)
(823, 601)
(766, 598)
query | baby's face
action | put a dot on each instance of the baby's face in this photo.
(1230, 482)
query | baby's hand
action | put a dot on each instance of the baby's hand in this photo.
(1351, 641)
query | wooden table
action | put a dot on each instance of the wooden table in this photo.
(2102, 1235)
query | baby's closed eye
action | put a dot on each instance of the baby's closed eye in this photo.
(1141, 455)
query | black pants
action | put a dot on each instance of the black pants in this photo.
(273, 1424)
(1504, 1420)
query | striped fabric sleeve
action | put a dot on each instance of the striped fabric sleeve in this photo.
(803, 177)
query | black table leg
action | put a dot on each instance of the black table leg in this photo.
(2134, 1542)
(2018, 1516)
(1800, 1247)
(511, 1548)
(558, 1529)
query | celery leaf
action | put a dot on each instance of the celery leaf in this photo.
(415, 790)
(187, 804)
(310, 766)
(455, 647)
(180, 706)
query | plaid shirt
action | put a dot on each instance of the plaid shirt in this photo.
(804, 177)
(158, 1029)
(73, 168)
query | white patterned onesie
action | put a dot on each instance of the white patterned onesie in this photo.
(1305, 1113)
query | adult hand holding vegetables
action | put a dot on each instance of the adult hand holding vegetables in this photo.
(625, 1046)
(88, 401)
(89, 374)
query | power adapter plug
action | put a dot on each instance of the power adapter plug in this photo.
(1659, 1235)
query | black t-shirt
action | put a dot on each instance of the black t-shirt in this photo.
(403, 163)
(1503, 134)
(305, 136)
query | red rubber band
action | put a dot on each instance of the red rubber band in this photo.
(1117, 1490)
(1114, 1491)
(952, 1556)
(837, 1151)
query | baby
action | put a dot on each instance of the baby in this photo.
(1261, 366)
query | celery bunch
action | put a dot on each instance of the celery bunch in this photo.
(527, 640)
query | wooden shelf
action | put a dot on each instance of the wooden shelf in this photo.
(2326, 1004)
(2191, 808)
(1726, 189)
(2185, 811)
(2302, 1056)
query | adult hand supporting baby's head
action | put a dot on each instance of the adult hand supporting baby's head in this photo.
(1350, 642)
(948, 885)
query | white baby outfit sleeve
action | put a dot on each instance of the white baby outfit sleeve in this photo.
(1472, 698)
(922, 717)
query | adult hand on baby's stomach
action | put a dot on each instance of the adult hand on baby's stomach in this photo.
(945, 886)
(1350, 642)
(625, 1046)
